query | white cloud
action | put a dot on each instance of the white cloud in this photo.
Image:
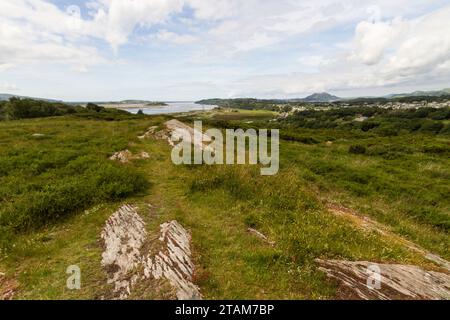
(117, 19)
(8, 87)
(38, 32)
(405, 48)
(393, 42)
(215, 10)
(315, 61)
(175, 38)
(425, 47)
(372, 39)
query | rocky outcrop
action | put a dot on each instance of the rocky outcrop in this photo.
(394, 281)
(123, 237)
(178, 130)
(173, 262)
(131, 257)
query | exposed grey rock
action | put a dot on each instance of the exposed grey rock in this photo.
(123, 236)
(178, 130)
(173, 261)
(396, 281)
(129, 255)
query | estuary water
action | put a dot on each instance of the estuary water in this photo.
(172, 107)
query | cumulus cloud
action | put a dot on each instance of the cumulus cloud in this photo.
(372, 39)
(116, 19)
(425, 47)
(405, 48)
(35, 31)
(172, 37)
(393, 41)
(5, 86)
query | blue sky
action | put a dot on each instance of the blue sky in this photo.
(191, 49)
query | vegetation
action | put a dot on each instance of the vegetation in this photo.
(378, 121)
(51, 169)
(318, 100)
(24, 108)
(57, 188)
(156, 103)
(400, 178)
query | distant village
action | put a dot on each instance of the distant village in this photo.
(287, 110)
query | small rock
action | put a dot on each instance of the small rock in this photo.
(150, 131)
(261, 236)
(126, 156)
(121, 156)
(144, 155)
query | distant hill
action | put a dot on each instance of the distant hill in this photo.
(316, 97)
(437, 93)
(6, 97)
(320, 97)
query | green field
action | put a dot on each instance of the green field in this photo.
(57, 188)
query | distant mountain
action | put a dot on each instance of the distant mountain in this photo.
(6, 97)
(320, 97)
(437, 93)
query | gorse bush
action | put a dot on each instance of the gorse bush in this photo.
(63, 171)
(49, 203)
(357, 149)
(20, 108)
(17, 108)
(381, 121)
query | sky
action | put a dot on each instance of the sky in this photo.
(166, 50)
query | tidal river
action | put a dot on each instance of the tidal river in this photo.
(172, 107)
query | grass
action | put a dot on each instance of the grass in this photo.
(405, 189)
(218, 203)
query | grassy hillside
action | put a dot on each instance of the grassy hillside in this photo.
(58, 187)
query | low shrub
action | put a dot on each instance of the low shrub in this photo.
(357, 149)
